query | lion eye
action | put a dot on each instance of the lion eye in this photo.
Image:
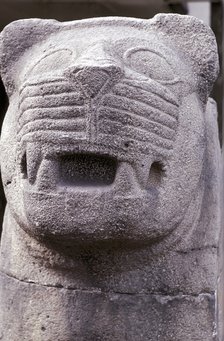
(54, 61)
(150, 64)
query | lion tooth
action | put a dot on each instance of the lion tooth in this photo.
(33, 160)
(125, 182)
(142, 169)
(47, 178)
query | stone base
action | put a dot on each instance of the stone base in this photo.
(32, 312)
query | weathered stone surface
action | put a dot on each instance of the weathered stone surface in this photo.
(111, 167)
(58, 314)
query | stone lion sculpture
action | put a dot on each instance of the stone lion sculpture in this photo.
(110, 165)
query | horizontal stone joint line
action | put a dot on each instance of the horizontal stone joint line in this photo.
(158, 294)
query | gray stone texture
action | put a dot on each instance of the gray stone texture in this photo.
(110, 163)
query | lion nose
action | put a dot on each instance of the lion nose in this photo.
(95, 70)
(95, 78)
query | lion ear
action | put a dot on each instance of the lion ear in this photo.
(195, 41)
(15, 39)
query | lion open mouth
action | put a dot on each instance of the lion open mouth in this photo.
(86, 170)
(76, 170)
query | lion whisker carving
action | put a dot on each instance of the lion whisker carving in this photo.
(126, 117)
(51, 136)
(52, 112)
(134, 104)
(151, 115)
(137, 132)
(53, 83)
(139, 135)
(75, 125)
(141, 92)
(145, 112)
(48, 101)
(48, 89)
(162, 90)
(151, 99)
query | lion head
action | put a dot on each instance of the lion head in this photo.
(104, 137)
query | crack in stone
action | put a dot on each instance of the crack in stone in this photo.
(158, 295)
(212, 247)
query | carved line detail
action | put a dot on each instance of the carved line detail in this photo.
(154, 116)
(136, 105)
(122, 88)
